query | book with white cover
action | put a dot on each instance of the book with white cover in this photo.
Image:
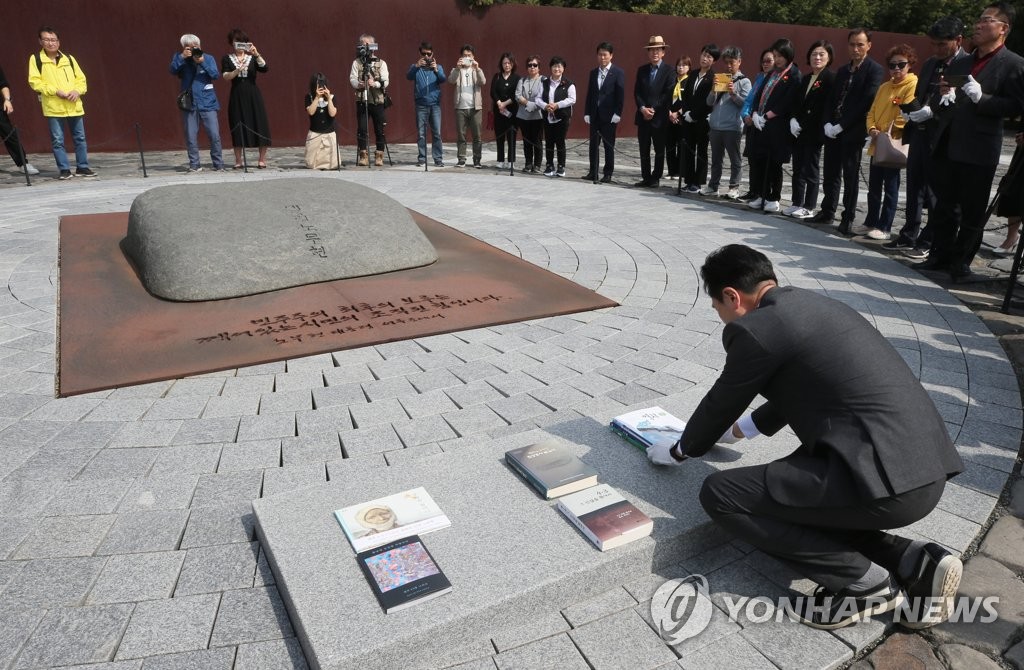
(371, 524)
(649, 426)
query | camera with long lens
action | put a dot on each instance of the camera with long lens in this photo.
(364, 52)
(197, 52)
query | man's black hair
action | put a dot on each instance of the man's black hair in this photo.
(605, 46)
(947, 28)
(738, 266)
(47, 29)
(1005, 10)
(424, 45)
(469, 48)
(712, 50)
(858, 31)
(557, 60)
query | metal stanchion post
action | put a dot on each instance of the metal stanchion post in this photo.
(142, 155)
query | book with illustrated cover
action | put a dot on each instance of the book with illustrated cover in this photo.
(605, 517)
(371, 524)
(402, 573)
(551, 468)
(648, 427)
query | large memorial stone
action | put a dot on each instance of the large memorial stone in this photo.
(193, 242)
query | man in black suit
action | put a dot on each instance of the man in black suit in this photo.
(846, 129)
(970, 137)
(653, 93)
(946, 35)
(606, 93)
(874, 453)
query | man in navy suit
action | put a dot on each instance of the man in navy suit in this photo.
(969, 140)
(874, 453)
(846, 129)
(653, 93)
(606, 92)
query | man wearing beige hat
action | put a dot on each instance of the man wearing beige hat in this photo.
(653, 93)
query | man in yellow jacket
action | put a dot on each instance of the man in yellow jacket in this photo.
(60, 83)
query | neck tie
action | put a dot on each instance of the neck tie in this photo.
(654, 71)
(600, 78)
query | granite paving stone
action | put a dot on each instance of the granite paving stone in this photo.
(16, 624)
(414, 432)
(965, 503)
(207, 430)
(232, 406)
(286, 401)
(324, 420)
(394, 367)
(65, 409)
(474, 420)
(229, 487)
(84, 435)
(135, 577)
(731, 651)
(169, 626)
(250, 455)
(304, 379)
(53, 582)
(436, 359)
(271, 655)
(412, 453)
(267, 426)
(264, 574)
(347, 377)
(518, 408)
(354, 467)
(120, 409)
(169, 491)
(58, 536)
(609, 602)
(278, 480)
(539, 626)
(473, 393)
(182, 407)
(25, 498)
(551, 653)
(365, 441)
(476, 369)
(251, 615)
(206, 659)
(217, 568)
(622, 640)
(427, 404)
(198, 386)
(87, 496)
(382, 389)
(514, 383)
(145, 531)
(120, 463)
(8, 569)
(187, 459)
(317, 448)
(431, 380)
(75, 635)
(218, 525)
(378, 412)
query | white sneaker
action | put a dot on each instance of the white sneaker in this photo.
(772, 206)
(791, 210)
(707, 190)
(860, 230)
(733, 194)
(756, 203)
(877, 234)
(802, 213)
(29, 168)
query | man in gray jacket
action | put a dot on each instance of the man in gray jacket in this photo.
(727, 125)
(469, 81)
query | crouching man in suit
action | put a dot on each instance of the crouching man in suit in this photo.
(874, 453)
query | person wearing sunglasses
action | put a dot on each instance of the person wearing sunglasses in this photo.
(970, 142)
(529, 115)
(427, 75)
(885, 117)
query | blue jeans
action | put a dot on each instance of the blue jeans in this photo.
(883, 192)
(191, 121)
(431, 113)
(76, 124)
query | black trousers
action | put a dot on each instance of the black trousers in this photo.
(841, 165)
(919, 192)
(533, 143)
(504, 130)
(766, 179)
(806, 174)
(960, 189)
(674, 148)
(695, 161)
(554, 138)
(10, 138)
(834, 546)
(377, 115)
(647, 135)
(602, 134)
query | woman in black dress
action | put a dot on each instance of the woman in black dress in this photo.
(504, 108)
(247, 114)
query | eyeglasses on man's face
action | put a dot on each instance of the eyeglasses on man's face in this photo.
(988, 19)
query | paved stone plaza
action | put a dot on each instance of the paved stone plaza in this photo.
(126, 528)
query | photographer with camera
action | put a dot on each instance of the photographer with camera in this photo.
(428, 76)
(469, 80)
(369, 78)
(321, 141)
(197, 72)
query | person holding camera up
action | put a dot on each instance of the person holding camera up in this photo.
(321, 141)
(247, 115)
(197, 72)
(469, 80)
(369, 77)
(428, 77)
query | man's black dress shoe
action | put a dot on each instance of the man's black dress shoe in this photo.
(642, 184)
(607, 179)
(961, 271)
(820, 217)
(588, 177)
(845, 229)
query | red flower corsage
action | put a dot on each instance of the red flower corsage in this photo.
(817, 84)
(897, 100)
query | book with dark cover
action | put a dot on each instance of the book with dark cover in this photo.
(605, 517)
(551, 468)
(402, 574)
(649, 427)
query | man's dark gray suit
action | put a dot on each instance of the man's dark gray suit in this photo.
(605, 99)
(654, 92)
(874, 453)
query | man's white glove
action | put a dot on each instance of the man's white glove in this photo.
(832, 130)
(616, 118)
(757, 120)
(794, 128)
(659, 455)
(972, 89)
(586, 119)
(948, 98)
(921, 115)
(687, 117)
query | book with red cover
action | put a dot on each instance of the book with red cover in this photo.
(605, 517)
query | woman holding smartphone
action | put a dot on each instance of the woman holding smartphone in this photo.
(247, 114)
(321, 141)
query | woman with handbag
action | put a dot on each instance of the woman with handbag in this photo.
(885, 127)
